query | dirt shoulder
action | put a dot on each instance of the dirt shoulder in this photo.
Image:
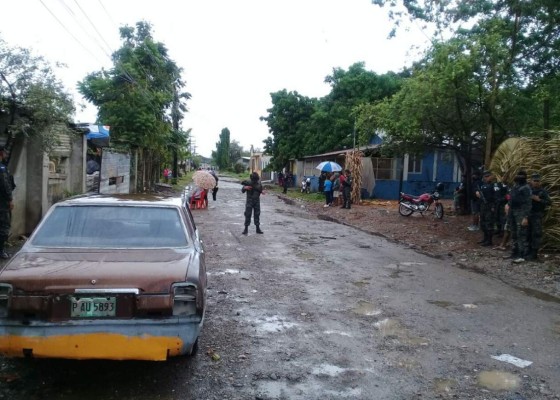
(446, 239)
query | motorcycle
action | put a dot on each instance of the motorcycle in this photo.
(306, 185)
(409, 204)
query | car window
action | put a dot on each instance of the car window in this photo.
(111, 226)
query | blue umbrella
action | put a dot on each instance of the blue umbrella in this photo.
(328, 166)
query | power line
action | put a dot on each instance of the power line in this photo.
(94, 27)
(75, 18)
(67, 30)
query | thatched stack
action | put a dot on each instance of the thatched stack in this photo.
(354, 164)
(534, 156)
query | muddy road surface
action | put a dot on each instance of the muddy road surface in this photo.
(312, 309)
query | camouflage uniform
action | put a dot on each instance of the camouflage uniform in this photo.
(5, 210)
(500, 192)
(253, 203)
(487, 211)
(519, 209)
(535, 221)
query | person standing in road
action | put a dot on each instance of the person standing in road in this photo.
(285, 183)
(540, 200)
(500, 192)
(327, 188)
(519, 209)
(475, 201)
(253, 189)
(487, 197)
(6, 204)
(346, 189)
(215, 189)
(336, 189)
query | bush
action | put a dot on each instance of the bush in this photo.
(239, 168)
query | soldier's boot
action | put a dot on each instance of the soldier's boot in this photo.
(488, 241)
(532, 256)
(259, 230)
(484, 238)
(245, 231)
(514, 253)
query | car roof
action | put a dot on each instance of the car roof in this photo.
(136, 199)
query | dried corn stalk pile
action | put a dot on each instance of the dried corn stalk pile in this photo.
(353, 163)
(534, 156)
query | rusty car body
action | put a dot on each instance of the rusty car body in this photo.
(119, 277)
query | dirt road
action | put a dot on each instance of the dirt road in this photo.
(319, 310)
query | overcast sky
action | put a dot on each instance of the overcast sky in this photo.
(233, 53)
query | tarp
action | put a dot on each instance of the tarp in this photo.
(98, 134)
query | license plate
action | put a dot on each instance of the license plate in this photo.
(91, 307)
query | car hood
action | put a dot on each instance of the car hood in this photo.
(61, 272)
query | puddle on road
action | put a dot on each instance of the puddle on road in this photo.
(284, 390)
(306, 256)
(328, 369)
(498, 380)
(365, 308)
(443, 385)
(273, 324)
(393, 328)
(341, 333)
(396, 270)
(227, 271)
(411, 263)
(441, 303)
(539, 295)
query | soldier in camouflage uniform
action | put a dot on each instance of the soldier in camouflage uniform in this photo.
(500, 191)
(519, 206)
(6, 204)
(540, 201)
(253, 203)
(487, 198)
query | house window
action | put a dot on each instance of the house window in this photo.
(414, 165)
(383, 168)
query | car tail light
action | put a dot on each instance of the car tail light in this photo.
(184, 299)
(5, 297)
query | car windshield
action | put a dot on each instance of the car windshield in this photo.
(111, 227)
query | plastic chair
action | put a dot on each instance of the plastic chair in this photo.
(199, 201)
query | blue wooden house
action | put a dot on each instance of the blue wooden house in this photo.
(384, 178)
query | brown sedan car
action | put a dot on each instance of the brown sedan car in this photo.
(106, 277)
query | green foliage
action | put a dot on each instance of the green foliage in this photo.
(222, 154)
(140, 97)
(33, 101)
(238, 168)
(302, 126)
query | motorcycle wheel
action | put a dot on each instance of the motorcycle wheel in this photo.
(439, 210)
(404, 211)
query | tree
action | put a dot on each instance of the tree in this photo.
(518, 44)
(222, 154)
(33, 101)
(288, 121)
(235, 151)
(140, 98)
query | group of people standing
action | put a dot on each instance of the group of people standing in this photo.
(335, 184)
(517, 211)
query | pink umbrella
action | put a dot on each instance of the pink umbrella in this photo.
(204, 180)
